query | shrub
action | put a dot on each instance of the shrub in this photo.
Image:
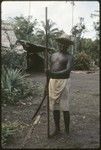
(13, 59)
(13, 85)
(82, 61)
(7, 131)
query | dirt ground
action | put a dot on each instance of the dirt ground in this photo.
(84, 112)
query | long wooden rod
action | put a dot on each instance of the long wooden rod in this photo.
(47, 79)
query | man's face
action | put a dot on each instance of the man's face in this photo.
(65, 47)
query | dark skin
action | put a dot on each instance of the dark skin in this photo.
(61, 64)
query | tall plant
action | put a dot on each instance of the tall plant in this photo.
(96, 23)
(82, 61)
(24, 27)
(13, 85)
(52, 32)
(77, 32)
(13, 59)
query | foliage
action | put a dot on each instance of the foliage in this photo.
(24, 28)
(82, 61)
(79, 28)
(13, 85)
(8, 130)
(28, 29)
(37, 35)
(91, 48)
(77, 33)
(97, 28)
(52, 33)
(12, 59)
(96, 23)
(96, 51)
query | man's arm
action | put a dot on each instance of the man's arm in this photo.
(63, 73)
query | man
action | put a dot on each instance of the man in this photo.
(59, 84)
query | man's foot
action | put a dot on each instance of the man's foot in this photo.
(67, 132)
(55, 133)
(66, 135)
(66, 121)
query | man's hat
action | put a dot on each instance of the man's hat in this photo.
(65, 39)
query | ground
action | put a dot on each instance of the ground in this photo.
(84, 112)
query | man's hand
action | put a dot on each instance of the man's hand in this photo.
(47, 73)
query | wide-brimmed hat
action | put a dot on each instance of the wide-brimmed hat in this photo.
(65, 39)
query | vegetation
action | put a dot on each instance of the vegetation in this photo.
(37, 35)
(96, 23)
(8, 131)
(34, 34)
(82, 61)
(12, 59)
(52, 33)
(13, 86)
(77, 33)
(24, 28)
(96, 43)
(87, 45)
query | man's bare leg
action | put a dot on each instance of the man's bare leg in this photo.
(56, 115)
(66, 121)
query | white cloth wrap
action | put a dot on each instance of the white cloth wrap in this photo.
(59, 94)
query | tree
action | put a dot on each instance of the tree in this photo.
(96, 51)
(96, 43)
(77, 33)
(91, 48)
(23, 27)
(82, 61)
(96, 23)
(87, 45)
(52, 33)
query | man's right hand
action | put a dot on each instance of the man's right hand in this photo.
(47, 73)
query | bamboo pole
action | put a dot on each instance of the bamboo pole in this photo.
(72, 23)
(46, 68)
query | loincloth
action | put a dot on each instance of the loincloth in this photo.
(59, 94)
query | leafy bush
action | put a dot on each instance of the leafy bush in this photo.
(13, 59)
(82, 61)
(13, 85)
(8, 130)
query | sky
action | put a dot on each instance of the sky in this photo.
(59, 12)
